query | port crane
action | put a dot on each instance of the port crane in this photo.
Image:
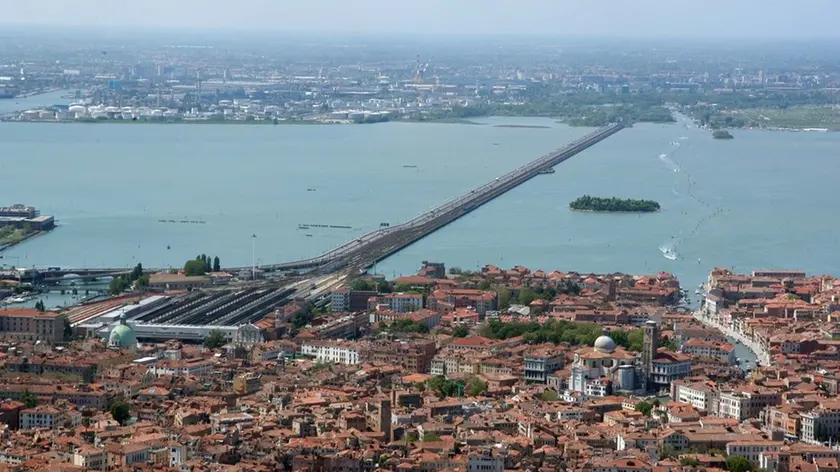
(421, 70)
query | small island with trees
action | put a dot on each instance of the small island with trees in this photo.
(588, 203)
(722, 134)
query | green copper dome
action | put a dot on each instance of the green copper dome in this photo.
(122, 335)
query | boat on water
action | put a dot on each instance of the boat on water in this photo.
(670, 255)
(697, 292)
(409, 166)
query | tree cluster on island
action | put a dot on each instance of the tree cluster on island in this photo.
(722, 134)
(613, 204)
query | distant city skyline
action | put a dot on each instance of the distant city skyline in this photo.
(607, 18)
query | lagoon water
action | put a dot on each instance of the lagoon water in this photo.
(33, 102)
(762, 200)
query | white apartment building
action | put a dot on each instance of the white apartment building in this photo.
(401, 302)
(751, 450)
(700, 395)
(718, 351)
(668, 367)
(746, 404)
(485, 462)
(50, 417)
(90, 458)
(820, 423)
(332, 352)
(197, 368)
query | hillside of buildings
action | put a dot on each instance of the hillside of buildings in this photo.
(566, 371)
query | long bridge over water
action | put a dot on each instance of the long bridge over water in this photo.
(361, 253)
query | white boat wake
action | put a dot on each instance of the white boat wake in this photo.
(668, 251)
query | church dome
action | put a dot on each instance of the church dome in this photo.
(122, 335)
(604, 344)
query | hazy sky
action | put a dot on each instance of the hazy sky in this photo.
(637, 18)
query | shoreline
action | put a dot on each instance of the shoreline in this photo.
(457, 121)
(523, 126)
(27, 238)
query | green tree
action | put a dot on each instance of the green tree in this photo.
(402, 287)
(475, 387)
(217, 265)
(408, 326)
(137, 272)
(118, 285)
(444, 387)
(120, 411)
(28, 399)
(143, 281)
(526, 296)
(460, 331)
(39, 305)
(215, 340)
(568, 288)
(557, 332)
(636, 339)
(738, 464)
(431, 437)
(302, 319)
(689, 462)
(195, 267)
(644, 408)
(549, 396)
(504, 297)
(360, 285)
